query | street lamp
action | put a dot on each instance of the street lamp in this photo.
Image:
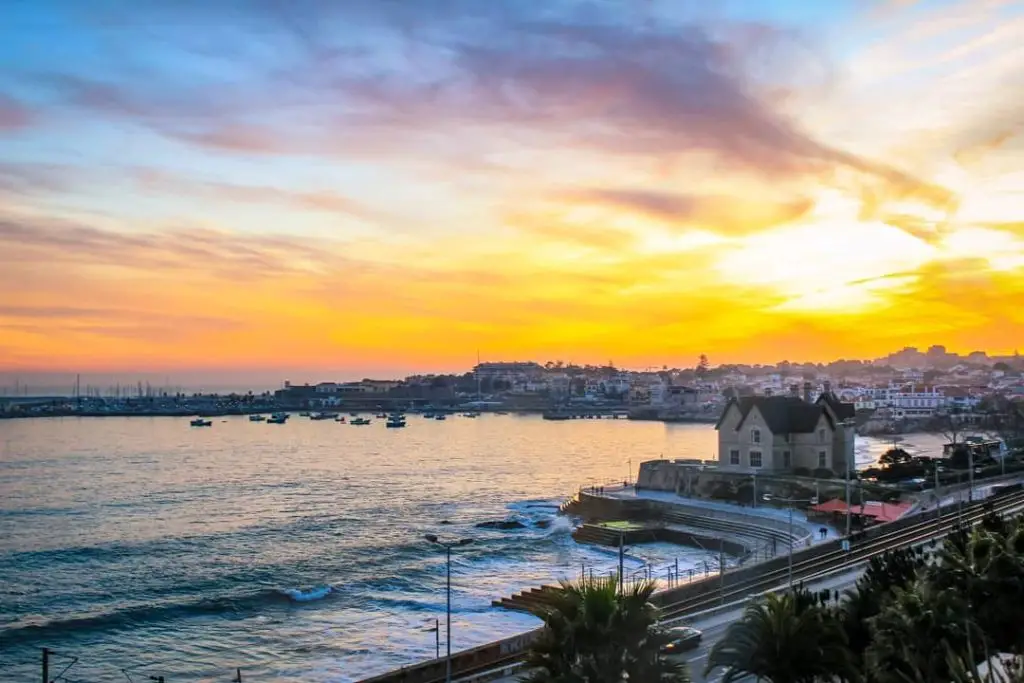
(436, 630)
(448, 549)
(791, 501)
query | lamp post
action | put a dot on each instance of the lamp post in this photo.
(790, 501)
(448, 610)
(436, 630)
(851, 469)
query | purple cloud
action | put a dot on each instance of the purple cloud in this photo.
(14, 115)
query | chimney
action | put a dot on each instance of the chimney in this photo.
(827, 387)
(794, 390)
(807, 391)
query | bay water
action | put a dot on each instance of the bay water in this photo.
(138, 547)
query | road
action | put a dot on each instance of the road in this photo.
(714, 626)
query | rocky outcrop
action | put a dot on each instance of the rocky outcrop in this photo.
(501, 524)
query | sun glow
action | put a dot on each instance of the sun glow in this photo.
(642, 187)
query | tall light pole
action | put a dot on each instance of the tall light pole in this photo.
(851, 469)
(790, 501)
(448, 611)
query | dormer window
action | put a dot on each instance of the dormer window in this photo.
(755, 435)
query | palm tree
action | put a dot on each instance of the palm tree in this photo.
(914, 634)
(785, 638)
(893, 569)
(594, 634)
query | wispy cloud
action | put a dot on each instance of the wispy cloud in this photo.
(355, 181)
(14, 115)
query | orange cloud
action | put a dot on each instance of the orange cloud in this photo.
(607, 184)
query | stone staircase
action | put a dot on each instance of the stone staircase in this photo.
(725, 527)
(532, 601)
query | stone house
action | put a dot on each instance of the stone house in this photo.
(782, 433)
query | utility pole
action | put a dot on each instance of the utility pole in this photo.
(622, 556)
(46, 665)
(849, 512)
(970, 473)
(721, 570)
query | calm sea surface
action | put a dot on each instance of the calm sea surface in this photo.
(292, 551)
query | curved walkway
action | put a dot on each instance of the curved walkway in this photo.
(803, 528)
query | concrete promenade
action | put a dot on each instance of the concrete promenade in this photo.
(800, 521)
(714, 623)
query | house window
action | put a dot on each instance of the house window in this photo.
(821, 435)
(822, 459)
(734, 457)
(786, 460)
(755, 458)
(755, 435)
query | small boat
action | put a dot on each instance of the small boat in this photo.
(395, 421)
(200, 422)
(353, 414)
(382, 416)
(278, 419)
(471, 414)
(340, 418)
(322, 416)
(429, 416)
(257, 418)
(440, 416)
(359, 421)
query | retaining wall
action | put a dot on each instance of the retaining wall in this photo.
(597, 507)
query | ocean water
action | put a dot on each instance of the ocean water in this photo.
(138, 547)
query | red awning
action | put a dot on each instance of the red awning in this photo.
(875, 510)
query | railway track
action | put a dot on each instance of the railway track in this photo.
(816, 567)
(837, 560)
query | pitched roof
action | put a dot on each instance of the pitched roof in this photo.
(842, 410)
(782, 414)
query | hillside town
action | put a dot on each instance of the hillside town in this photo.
(904, 391)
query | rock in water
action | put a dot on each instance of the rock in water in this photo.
(503, 524)
(542, 523)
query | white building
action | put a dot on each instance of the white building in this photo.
(909, 400)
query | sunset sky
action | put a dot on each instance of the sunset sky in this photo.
(375, 187)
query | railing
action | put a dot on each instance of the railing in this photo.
(743, 582)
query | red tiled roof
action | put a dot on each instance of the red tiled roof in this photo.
(879, 512)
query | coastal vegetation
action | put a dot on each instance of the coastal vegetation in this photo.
(913, 616)
(596, 634)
